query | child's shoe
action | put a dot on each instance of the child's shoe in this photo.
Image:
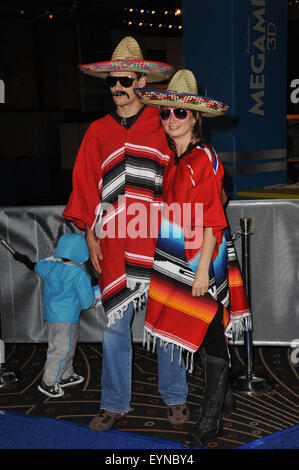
(53, 391)
(74, 379)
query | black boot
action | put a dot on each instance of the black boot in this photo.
(229, 403)
(208, 425)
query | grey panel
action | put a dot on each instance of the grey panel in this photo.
(274, 267)
(274, 260)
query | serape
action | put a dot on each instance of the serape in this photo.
(117, 176)
(173, 315)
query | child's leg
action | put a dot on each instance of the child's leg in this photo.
(68, 369)
(59, 347)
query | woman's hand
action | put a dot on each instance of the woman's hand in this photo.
(94, 248)
(200, 284)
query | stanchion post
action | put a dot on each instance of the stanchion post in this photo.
(248, 382)
(245, 224)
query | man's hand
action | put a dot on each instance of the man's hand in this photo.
(95, 303)
(94, 249)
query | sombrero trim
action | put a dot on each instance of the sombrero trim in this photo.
(138, 65)
(186, 98)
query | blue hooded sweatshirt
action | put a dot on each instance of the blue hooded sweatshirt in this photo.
(67, 287)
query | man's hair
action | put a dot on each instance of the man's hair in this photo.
(139, 75)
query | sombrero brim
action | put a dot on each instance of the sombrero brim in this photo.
(155, 71)
(208, 107)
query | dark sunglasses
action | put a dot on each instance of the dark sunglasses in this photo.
(126, 82)
(179, 113)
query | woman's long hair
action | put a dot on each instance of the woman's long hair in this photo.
(197, 135)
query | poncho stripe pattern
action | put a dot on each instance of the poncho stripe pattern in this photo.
(117, 176)
(134, 171)
(186, 318)
(173, 314)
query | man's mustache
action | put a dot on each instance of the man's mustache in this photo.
(120, 93)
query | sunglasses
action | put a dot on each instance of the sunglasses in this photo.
(126, 82)
(179, 113)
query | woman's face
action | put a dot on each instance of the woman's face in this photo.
(179, 128)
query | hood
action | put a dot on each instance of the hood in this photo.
(72, 246)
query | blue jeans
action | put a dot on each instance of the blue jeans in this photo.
(117, 369)
(172, 381)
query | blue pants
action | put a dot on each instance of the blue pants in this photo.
(117, 369)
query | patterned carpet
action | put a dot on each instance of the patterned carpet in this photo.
(255, 417)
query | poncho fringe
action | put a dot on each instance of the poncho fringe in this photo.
(148, 338)
(139, 300)
(234, 330)
(237, 326)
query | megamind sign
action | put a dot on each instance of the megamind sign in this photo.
(266, 41)
(238, 51)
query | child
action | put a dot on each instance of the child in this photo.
(67, 290)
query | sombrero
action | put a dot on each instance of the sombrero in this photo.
(128, 57)
(182, 92)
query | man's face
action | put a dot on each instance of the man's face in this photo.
(125, 95)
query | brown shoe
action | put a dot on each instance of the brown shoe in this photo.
(104, 420)
(178, 414)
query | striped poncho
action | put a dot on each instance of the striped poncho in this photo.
(173, 315)
(116, 178)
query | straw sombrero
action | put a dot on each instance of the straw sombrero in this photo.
(182, 92)
(128, 57)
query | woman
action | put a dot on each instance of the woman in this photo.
(189, 293)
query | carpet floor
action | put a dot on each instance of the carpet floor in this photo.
(256, 416)
(20, 431)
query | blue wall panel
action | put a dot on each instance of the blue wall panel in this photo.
(237, 50)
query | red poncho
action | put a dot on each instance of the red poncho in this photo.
(117, 176)
(173, 315)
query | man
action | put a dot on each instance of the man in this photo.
(118, 172)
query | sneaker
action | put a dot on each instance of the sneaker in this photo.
(104, 420)
(53, 391)
(74, 379)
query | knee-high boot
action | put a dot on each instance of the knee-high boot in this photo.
(229, 403)
(209, 423)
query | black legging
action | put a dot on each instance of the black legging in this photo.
(214, 340)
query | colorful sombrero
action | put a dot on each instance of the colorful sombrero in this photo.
(128, 57)
(182, 92)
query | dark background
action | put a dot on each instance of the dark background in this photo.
(49, 103)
